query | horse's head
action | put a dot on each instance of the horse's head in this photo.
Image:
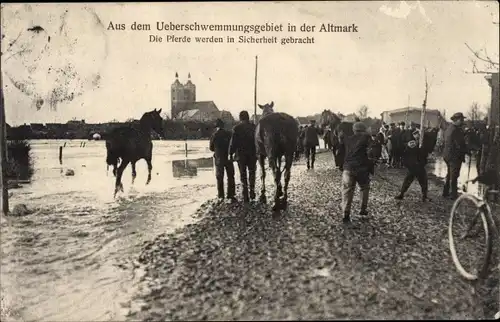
(267, 108)
(153, 120)
(329, 118)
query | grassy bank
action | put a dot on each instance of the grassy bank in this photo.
(244, 262)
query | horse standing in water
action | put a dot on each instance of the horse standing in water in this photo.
(338, 131)
(132, 143)
(276, 135)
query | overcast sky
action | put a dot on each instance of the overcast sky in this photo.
(120, 75)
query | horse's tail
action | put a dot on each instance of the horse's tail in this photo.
(111, 155)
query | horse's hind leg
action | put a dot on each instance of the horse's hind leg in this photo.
(279, 187)
(262, 163)
(277, 182)
(150, 167)
(288, 171)
(118, 184)
(134, 174)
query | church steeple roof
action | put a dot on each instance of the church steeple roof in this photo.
(189, 83)
(176, 82)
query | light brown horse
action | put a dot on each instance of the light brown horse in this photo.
(276, 136)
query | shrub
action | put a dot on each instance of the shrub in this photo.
(20, 161)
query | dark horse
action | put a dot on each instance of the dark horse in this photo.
(132, 143)
(338, 131)
(276, 135)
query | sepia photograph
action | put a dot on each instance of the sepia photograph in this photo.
(253, 160)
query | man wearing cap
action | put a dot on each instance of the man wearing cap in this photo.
(242, 145)
(219, 144)
(415, 160)
(356, 169)
(310, 142)
(454, 152)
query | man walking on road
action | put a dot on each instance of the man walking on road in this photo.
(454, 153)
(243, 147)
(310, 142)
(356, 169)
(219, 144)
(415, 159)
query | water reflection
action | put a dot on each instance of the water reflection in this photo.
(468, 171)
(190, 168)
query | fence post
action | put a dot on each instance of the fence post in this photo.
(60, 154)
(3, 153)
(186, 147)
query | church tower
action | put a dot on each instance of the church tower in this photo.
(178, 101)
(190, 91)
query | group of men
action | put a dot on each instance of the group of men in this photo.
(239, 145)
(359, 162)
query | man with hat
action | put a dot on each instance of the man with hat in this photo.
(415, 159)
(454, 152)
(310, 142)
(243, 146)
(356, 169)
(219, 144)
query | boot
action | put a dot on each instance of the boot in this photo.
(399, 197)
(246, 199)
(347, 218)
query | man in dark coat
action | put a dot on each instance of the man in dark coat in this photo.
(219, 144)
(454, 152)
(396, 146)
(310, 142)
(415, 159)
(243, 147)
(356, 170)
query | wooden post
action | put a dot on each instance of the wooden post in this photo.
(186, 147)
(255, 93)
(3, 151)
(60, 154)
(422, 116)
(407, 111)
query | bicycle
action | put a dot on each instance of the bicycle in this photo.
(482, 211)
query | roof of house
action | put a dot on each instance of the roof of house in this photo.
(187, 113)
(205, 106)
(404, 109)
(349, 117)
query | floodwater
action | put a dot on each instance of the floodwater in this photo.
(72, 259)
(467, 172)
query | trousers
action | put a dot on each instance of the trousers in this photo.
(453, 168)
(349, 181)
(247, 165)
(228, 168)
(310, 154)
(416, 172)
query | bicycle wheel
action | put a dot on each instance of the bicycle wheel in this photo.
(480, 247)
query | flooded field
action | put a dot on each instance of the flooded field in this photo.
(72, 259)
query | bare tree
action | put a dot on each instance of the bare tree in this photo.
(488, 65)
(362, 112)
(475, 113)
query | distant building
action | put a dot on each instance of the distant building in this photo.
(185, 107)
(349, 118)
(432, 117)
(303, 120)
